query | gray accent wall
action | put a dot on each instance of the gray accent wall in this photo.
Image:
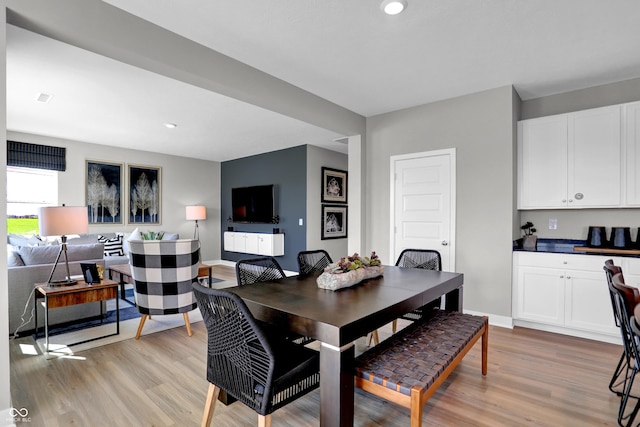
(287, 171)
(480, 127)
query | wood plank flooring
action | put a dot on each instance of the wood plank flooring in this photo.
(535, 379)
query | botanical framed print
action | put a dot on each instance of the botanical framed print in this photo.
(145, 192)
(334, 186)
(334, 222)
(104, 192)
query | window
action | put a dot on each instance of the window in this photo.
(27, 190)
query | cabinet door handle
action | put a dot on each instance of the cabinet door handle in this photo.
(564, 200)
(445, 243)
(561, 276)
(570, 200)
(568, 277)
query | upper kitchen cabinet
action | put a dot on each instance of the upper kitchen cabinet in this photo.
(632, 138)
(570, 160)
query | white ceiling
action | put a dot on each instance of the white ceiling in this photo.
(347, 52)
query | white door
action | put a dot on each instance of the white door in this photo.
(422, 204)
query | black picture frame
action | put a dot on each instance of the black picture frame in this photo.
(103, 192)
(90, 272)
(334, 185)
(334, 220)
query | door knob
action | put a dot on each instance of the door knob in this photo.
(445, 243)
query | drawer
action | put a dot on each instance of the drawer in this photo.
(566, 261)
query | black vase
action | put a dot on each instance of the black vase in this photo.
(620, 238)
(597, 237)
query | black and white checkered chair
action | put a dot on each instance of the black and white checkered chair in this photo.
(163, 272)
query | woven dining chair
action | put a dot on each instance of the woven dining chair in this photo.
(254, 270)
(313, 262)
(264, 269)
(426, 259)
(261, 370)
(162, 273)
(623, 295)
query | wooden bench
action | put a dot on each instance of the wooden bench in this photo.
(408, 367)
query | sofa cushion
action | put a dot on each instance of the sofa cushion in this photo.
(170, 236)
(13, 258)
(112, 246)
(34, 255)
(20, 240)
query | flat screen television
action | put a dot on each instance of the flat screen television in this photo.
(252, 204)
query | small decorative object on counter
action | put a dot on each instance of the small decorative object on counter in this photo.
(350, 271)
(530, 240)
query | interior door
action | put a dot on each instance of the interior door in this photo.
(422, 204)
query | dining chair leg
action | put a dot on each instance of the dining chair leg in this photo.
(143, 318)
(264, 420)
(187, 323)
(373, 336)
(210, 404)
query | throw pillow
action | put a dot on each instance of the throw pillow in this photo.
(170, 236)
(13, 258)
(113, 246)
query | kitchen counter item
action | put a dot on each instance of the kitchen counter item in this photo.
(620, 238)
(597, 237)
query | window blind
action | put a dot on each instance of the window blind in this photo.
(36, 156)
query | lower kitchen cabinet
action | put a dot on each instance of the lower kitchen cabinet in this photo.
(564, 293)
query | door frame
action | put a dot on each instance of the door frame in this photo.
(451, 152)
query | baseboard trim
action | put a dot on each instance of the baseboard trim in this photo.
(494, 319)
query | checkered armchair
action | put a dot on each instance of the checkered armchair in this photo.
(163, 272)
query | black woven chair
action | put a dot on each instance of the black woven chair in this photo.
(313, 262)
(624, 295)
(426, 259)
(263, 269)
(621, 372)
(262, 371)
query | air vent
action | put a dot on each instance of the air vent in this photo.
(44, 97)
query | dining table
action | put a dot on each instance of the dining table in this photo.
(337, 318)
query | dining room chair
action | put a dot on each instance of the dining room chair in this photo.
(623, 364)
(264, 269)
(261, 370)
(313, 262)
(162, 273)
(630, 332)
(426, 259)
(261, 269)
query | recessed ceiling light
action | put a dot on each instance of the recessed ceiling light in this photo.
(171, 125)
(393, 7)
(43, 97)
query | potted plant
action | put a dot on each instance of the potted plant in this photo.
(530, 240)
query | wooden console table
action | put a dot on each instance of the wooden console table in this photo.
(79, 293)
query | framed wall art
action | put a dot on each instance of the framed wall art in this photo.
(144, 183)
(334, 222)
(104, 192)
(334, 185)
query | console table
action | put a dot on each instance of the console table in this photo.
(79, 293)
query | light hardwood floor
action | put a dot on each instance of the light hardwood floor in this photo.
(535, 378)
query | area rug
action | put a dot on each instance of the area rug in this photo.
(62, 344)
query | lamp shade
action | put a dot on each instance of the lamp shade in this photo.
(196, 213)
(63, 220)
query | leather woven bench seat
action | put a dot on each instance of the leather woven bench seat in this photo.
(408, 368)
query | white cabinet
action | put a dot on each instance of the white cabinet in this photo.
(632, 144)
(563, 293)
(571, 160)
(254, 243)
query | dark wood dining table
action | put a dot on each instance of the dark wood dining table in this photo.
(338, 318)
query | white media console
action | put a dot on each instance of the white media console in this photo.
(254, 243)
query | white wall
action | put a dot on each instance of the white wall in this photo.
(480, 127)
(316, 159)
(184, 181)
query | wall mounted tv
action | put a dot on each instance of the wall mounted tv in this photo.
(252, 204)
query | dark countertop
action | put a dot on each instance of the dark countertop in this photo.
(561, 246)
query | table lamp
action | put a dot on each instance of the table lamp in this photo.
(60, 221)
(195, 213)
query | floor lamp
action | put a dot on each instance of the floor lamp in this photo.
(196, 213)
(61, 221)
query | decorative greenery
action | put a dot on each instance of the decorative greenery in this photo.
(152, 235)
(528, 229)
(355, 262)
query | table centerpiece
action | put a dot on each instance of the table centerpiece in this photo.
(349, 271)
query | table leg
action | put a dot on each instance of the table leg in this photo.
(453, 300)
(46, 324)
(35, 311)
(117, 315)
(336, 385)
